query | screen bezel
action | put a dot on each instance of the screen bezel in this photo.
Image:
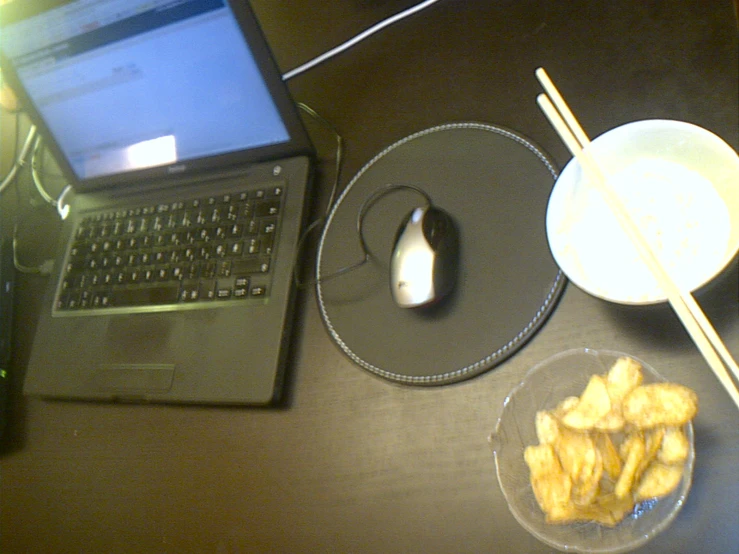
(298, 144)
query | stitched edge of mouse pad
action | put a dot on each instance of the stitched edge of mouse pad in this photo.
(487, 362)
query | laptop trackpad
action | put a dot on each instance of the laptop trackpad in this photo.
(135, 377)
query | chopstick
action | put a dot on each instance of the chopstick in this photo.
(687, 309)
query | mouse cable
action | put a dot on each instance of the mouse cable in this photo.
(357, 39)
(339, 157)
(58, 203)
(364, 208)
(321, 221)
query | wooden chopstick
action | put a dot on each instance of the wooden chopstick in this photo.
(689, 312)
(658, 268)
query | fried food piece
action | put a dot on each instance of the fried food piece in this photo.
(675, 446)
(581, 460)
(608, 453)
(658, 480)
(612, 422)
(571, 448)
(593, 405)
(552, 492)
(547, 428)
(585, 485)
(619, 508)
(551, 485)
(607, 510)
(565, 406)
(565, 513)
(541, 460)
(569, 513)
(652, 444)
(632, 452)
(623, 377)
(657, 404)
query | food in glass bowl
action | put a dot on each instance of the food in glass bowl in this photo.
(604, 451)
(594, 451)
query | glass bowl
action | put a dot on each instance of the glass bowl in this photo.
(543, 387)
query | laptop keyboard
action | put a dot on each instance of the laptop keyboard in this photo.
(203, 250)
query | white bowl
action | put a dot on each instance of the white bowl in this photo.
(679, 182)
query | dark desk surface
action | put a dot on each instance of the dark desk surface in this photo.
(354, 464)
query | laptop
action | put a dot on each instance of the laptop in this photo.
(191, 172)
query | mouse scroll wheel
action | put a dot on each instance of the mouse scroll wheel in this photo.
(433, 228)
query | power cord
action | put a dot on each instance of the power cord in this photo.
(343, 47)
(20, 160)
(58, 203)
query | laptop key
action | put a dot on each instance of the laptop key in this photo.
(190, 291)
(223, 293)
(249, 266)
(267, 244)
(240, 292)
(259, 290)
(267, 208)
(207, 289)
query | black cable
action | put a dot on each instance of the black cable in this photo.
(334, 189)
(370, 201)
(46, 267)
(339, 156)
(361, 214)
(363, 209)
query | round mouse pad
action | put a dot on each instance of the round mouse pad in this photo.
(495, 184)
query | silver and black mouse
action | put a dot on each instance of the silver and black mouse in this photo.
(425, 258)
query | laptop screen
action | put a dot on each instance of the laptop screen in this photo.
(125, 85)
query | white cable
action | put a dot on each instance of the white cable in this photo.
(61, 208)
(360, 37)
(35, 174)
(21, 160)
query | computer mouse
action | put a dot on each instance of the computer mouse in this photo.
(424, 262)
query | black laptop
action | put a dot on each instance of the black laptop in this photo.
(191, 170)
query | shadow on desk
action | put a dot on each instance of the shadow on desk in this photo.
(719, 299)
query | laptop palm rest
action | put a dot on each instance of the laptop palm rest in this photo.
(134, 377)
